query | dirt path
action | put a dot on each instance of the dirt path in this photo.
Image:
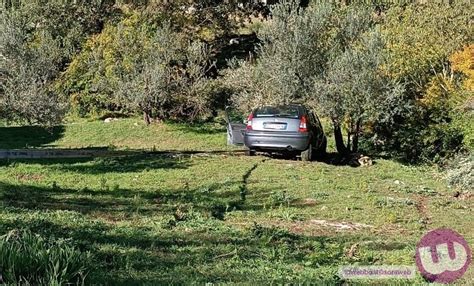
(421, 206)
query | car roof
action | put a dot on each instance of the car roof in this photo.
(301, 107)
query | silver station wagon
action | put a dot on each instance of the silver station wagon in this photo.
(292, 129)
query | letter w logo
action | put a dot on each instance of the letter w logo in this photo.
(439, 260)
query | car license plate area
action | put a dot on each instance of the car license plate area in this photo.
(274, 126)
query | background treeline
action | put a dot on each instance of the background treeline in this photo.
(397, 79)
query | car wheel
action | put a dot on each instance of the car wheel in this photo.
(250, 152)
(307, 155)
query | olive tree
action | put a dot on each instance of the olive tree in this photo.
(37, 40)
(171, 80)
(294, 47)
(28, 66)
(354, 90)
(329, 56)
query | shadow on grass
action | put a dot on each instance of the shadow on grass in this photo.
(108, 202)
(336, 159)
(29, 136)
(126, 164)
(200, 128)
(161, 236)
(139, 254)
(125, 161)
(331, 158)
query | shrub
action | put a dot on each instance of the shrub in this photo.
(141, 65)
(460, 173)
(171, 83)
(329, 56)
(37, 39)
(26, 258)
(437, 123)
(463, 113)
(29, 60)
(92, 77)
(420, 39)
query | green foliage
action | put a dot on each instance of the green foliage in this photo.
(292, 46)
(172, 81)
(93, 76)
(328, 55)
(421, 38)
(29, 259)
(325, 253)
(280, 199)
(440, 122)
(141, 65)
(36, 41)
(460, 172)
(462, 101)
(29, 61)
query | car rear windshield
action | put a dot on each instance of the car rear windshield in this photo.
(278, 111)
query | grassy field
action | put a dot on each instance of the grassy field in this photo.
(123, 134)
(147, 219)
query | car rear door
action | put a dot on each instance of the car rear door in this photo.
(235, 130)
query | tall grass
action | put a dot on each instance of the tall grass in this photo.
(29, 259)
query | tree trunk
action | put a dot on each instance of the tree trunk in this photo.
(355, 140)
(146, 118)
(348, 146)
(341, 148)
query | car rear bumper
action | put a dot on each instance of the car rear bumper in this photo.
(263, 140)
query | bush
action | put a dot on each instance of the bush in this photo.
(171, 83)
(37, 40)
(29, 60)
(421, 38)
(93, 76)
(26, 258)
(463, 115)
(460, 172)
(141, 65)
(438, 122)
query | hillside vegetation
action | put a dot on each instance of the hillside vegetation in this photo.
(396, 77)
(168, 201)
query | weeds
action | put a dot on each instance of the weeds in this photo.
(280, 199)
(273, 234)
(393, 202)
(27, 258)
(461, 174)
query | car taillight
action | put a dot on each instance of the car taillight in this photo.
(303, 124)
(249, 121)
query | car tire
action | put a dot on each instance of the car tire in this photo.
(250, 152)
(307, 155)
